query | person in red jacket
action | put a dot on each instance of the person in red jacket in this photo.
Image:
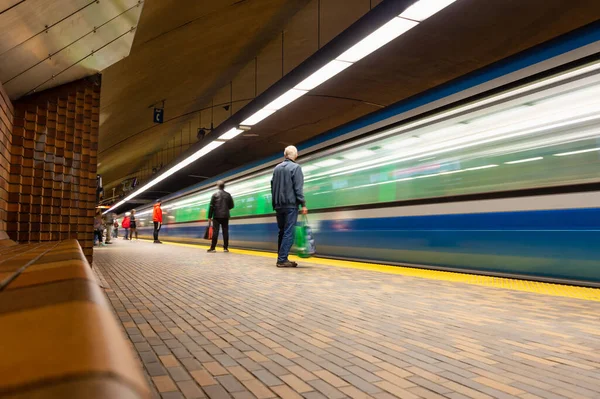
(157, 219)
(126, 223)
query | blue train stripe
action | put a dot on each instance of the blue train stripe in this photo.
(556, 243)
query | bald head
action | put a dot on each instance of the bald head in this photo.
(290, 152)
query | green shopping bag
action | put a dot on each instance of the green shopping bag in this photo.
(304, 242)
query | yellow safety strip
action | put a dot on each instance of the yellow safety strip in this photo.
(538, 287)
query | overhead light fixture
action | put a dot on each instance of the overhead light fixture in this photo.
(286, 98)
(424, 9)
(197, 155)
(325, 73)
(328, 162)
(231, 134)
(564, 154)
(377, 39)
(258, 116)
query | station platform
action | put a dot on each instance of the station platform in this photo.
(233, 325)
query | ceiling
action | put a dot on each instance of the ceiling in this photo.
(46, 43)
(460, 39)
(182, 55)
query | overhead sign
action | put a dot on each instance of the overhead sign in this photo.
(159, 115)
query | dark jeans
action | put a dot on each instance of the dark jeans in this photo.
(127, 233)
(98, 236)
(217, 222)
(286, 221)
(157, 226)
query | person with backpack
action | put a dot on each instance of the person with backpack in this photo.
(218, 213)
(287, 194)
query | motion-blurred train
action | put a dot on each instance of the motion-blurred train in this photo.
(501, 182)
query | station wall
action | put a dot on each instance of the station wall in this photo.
(6, 122)
(52, 153)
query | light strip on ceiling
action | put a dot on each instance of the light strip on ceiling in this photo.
(197, 155)
(286, 98)
(231, 134)
(258, 116)
(419, 11)
(322, 75)
(424, 9)
(377, 39)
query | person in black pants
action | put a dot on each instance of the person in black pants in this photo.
(218, 212)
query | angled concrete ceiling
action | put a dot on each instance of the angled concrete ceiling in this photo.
(46, 43)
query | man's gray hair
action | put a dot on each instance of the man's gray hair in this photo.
(221, 184)
(290, 152)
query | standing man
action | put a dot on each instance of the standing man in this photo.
(287, 193)
(220, 205)
(133, 225)
(108, 222)
(157, 219)
(126, 223)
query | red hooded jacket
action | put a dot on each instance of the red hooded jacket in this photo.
(157, 214)
(126, 223)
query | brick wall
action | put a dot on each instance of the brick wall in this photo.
(6, 120)
(52, 188)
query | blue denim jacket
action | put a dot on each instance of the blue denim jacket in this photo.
(287, 185)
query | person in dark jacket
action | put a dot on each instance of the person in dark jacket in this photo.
(287, 193)
(218, 213)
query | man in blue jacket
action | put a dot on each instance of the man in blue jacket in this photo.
(287, 194)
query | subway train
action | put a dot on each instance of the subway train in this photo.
(504, 182)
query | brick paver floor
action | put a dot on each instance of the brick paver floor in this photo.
(228, 325)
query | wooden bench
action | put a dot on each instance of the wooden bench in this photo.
(58, 336)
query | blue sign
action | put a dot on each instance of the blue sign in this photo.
(159, 115)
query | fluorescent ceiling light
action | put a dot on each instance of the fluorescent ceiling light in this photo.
(198, 154)
(328, 162)
(258, 116)
(564, 154)
(424, 9)
(325, 73)
(359, 154)
(230, 134)
(285, 99)
(377, 39)
(524, 160)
